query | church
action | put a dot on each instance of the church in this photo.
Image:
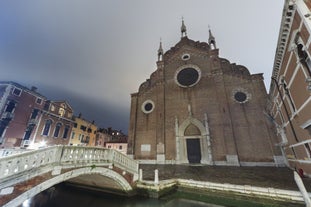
(198, 108)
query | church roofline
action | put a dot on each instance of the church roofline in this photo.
(186, 41)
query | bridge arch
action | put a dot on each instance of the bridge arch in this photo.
(106, 172)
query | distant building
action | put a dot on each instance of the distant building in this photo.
(83, 132)
(54, 125)
(199, 108)
(20, 109)
(119, 145)
(290, 89)
(102, 136)
(117, 141)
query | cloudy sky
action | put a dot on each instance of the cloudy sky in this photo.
(95, 53)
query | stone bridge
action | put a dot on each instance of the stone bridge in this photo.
(24, 175)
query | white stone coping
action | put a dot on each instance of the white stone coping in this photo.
(246, 190)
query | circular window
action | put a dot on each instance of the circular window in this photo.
(187, 77)
(147, 107)
(185, 57)
(240, 97)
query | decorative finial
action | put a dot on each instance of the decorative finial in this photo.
(160, 51)
(211, 39)
(183, 28)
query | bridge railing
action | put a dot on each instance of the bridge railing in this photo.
(64, 156)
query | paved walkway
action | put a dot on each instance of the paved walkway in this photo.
(282, 178)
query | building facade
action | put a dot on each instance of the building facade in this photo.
(20, 109)
(83, 133)
(290, 89)
(54, 124)
(199, 108)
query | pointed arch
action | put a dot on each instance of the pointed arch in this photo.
(190, 120)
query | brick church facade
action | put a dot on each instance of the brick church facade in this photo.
(199, 108)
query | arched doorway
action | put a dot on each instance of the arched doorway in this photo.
(192, 134)
(192, 142)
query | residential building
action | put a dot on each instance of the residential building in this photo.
(198, 107)
(290, 89)
(20, 109)
(83, 132)
(117, 140)
(54, 125)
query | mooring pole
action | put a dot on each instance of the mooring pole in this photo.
(302, 189)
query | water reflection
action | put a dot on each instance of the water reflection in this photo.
(65, 196)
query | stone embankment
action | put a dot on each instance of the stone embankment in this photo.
(267, 183)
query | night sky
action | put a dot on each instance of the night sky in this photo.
(95, 53)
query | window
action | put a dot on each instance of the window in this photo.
(28, 132)
(72, 135)
(309, 129)
(75, 125)
(187, 77)
(66, 130)
(47, 127)
(10, 106)
(147, 107)
(307, 146)
(89, 130)
(120, 147)
(34, 114)
(57, 129)
(2, 129)
(17, 91)
(39, 101)
(83, 128)
(61, 111)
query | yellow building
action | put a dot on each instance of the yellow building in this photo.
(83, 132)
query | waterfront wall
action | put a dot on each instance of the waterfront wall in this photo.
(156, 190)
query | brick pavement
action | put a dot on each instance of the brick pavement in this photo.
(273, 177)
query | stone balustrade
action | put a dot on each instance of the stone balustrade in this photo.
(65, 156)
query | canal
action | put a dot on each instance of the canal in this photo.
(63, 195)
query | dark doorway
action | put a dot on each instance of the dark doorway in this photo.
(193, 150)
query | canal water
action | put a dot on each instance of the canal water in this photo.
(63, 195)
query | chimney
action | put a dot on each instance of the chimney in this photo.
(33, 88)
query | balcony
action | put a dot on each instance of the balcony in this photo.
(32, 122)
(7, 115)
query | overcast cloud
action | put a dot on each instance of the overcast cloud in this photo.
(95, 53)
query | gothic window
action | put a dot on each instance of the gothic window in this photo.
(66, 130)
(298, 48)
(289, 97)
(57, 129)
(192, 130)
(47, 127)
